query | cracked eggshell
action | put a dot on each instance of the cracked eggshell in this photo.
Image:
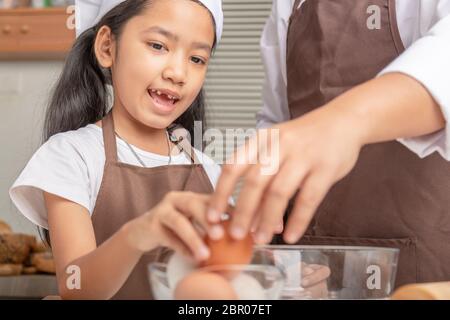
(228, 251)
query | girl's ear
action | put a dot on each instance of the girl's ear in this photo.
(104, 47)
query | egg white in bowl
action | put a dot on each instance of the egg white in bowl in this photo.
(248, 282)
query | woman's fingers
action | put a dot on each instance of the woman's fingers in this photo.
(180, 225)
(276, 198)
(224, 189)
(249, 200)
(241, 162)
(279, 228)
(311, 194)
(255, 224)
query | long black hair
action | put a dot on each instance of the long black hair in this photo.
(81, 97)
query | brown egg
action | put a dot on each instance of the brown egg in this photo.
(228, 251)
(204, 286)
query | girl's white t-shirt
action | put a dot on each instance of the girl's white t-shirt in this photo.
(70, 165)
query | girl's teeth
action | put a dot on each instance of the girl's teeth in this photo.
(159, 93)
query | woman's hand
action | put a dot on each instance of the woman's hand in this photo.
(177, 222)
(311, 153)
(318, 149)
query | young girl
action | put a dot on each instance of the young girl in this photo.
(106, 184)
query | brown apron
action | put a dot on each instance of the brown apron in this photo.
(392, 198)
(129, 191)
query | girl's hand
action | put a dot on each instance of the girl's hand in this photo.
(311, 153)
(177, 222)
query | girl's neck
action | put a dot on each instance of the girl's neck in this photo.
(141, 136)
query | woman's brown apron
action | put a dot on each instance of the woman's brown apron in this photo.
(392, 198)
(129, 191)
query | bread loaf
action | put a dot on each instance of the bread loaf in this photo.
(4, 228)
(10, 269)
(43, 262)
(15, 248)
(22, 254)
(29, 270)
(38, 247)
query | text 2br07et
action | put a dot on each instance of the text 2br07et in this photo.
(242, 309)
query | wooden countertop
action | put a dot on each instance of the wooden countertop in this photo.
(28, 287)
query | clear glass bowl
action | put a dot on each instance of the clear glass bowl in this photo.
(250, 282)
(334, 272)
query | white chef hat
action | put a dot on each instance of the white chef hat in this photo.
(90, 12)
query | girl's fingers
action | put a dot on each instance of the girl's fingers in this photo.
(195, 206)
(312, 192)
(241, 161)
(315, 274)
(276, 199)
(249, 200)
(170, 240)
(180, 225)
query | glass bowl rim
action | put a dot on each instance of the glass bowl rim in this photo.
(319, 248)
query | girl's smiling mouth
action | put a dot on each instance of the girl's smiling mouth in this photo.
(164, 100)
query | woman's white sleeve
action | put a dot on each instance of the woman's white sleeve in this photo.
(273, 46)
(428, 61)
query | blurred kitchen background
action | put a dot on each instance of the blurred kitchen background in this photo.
(33, 41)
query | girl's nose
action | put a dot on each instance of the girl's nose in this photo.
(175, 70)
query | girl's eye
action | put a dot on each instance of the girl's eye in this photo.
(197, 60)
(156, 46)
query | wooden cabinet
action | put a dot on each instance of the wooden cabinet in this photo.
(35, 33)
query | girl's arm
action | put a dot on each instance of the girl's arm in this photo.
(73, 244)
(105, 269)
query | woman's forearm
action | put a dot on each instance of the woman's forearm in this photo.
(103, 271)
(390, 107)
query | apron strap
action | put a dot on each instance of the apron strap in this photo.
(109, 138)
(395, 30)
(178, 137)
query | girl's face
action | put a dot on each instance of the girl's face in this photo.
(160, 61)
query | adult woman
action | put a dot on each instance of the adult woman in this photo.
(349, 88)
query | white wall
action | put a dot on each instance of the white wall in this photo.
(24, 89)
